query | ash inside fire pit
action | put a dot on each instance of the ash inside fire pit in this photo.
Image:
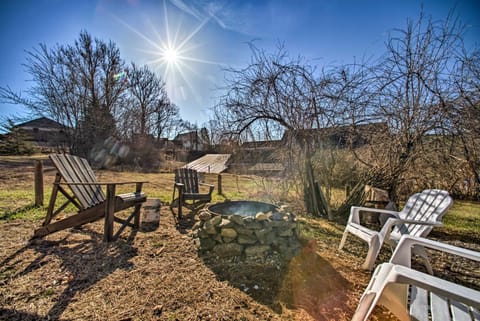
(246, 229)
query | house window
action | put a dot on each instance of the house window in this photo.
(35, 130)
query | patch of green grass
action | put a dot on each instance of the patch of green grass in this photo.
(29, 212)
(18, 204)
(463, 218)
(315, 228)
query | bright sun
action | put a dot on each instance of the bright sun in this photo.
(171, 56)
(172, 52)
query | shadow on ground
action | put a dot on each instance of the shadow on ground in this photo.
(307, 282)
(84, 259)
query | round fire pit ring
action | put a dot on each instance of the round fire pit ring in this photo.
(241, 208)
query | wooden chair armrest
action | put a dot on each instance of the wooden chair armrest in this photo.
(205, 184)
(102, 183)
(210, 186)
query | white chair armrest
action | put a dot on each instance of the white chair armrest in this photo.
(403, 252)
(389, 274)
(457, 292)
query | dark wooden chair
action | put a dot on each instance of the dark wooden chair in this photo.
(187, 186)
(85, 192)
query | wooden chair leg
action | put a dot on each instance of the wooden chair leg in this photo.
(180, 202)
(53, 199)
(136, 220)
(109, 213)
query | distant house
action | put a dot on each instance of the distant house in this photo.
(265, 145)
(44, 133)
(193, 141)
(267, 157)
(257, 157)
(339, 136)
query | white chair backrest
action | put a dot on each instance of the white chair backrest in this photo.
(429, 205)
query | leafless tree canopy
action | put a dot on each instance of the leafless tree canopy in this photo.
(424, 89)
(273, 89)
(148, 110)
(87, 88)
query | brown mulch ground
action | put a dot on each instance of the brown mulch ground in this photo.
(73, 275)
(158, 275)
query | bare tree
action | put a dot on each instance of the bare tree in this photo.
(464, 115)
(411, 86)
(76, 86)
(167, 116)
(148, 110)
(272, 89)
(273, 94)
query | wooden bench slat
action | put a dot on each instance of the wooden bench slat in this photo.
(68, 175)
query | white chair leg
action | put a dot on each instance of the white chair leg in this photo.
(373, 249)
(344, 238)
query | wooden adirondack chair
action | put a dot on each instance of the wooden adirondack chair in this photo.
(414, 295)
(187, 185)
(420, 214)
(85, 192)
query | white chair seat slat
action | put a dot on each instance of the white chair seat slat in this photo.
(440, 308)
(460, 312)
(418, 303)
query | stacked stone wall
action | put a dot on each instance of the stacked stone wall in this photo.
(247, 236)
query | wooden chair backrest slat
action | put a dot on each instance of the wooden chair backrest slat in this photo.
(189, 178)
(74, 169)
(86, 174)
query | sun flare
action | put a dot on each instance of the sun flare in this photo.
(174, 53)
(170, 55)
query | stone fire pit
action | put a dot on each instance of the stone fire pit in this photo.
(246, 229)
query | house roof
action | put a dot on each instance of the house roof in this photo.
(340, 134)
(210, 163)
(194, 135)
(338, 129)
(42, 122)
(262, 144)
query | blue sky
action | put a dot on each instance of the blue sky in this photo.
(213, 35)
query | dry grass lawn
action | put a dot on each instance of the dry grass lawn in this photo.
(157, 275)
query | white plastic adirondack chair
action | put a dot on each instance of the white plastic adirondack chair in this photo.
(413, 295)
(420, 214)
